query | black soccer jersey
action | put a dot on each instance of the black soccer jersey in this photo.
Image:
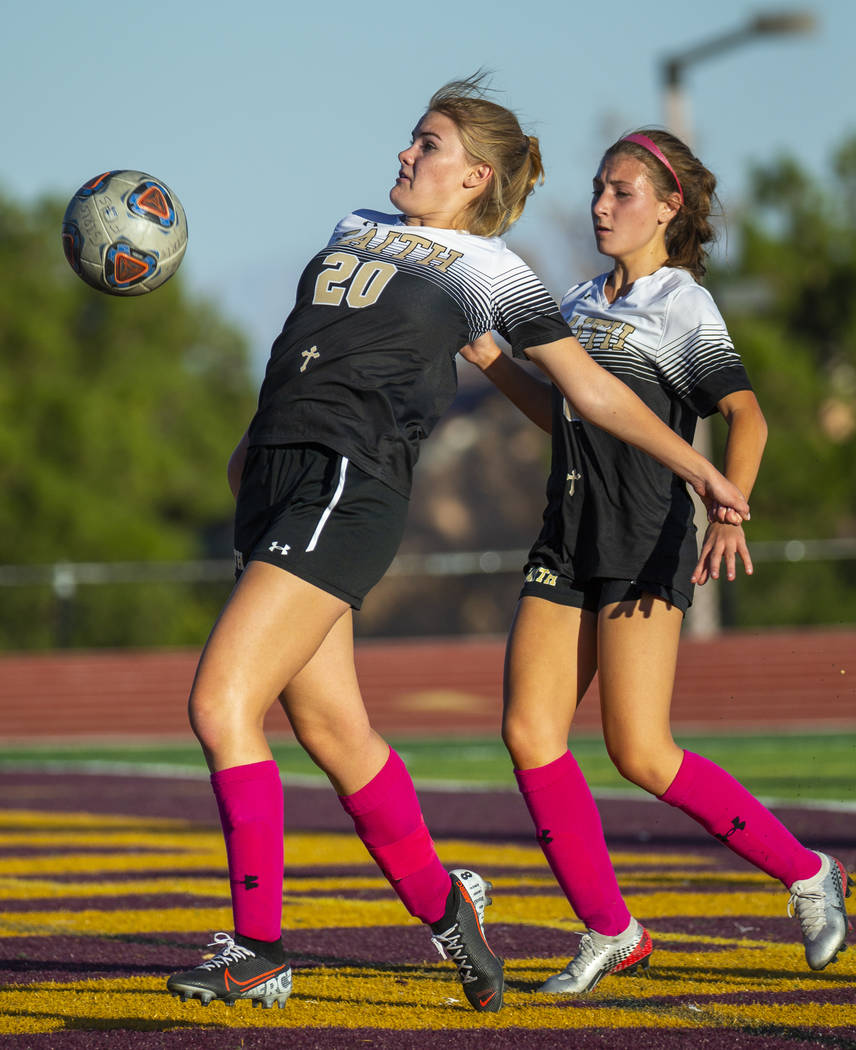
(365, 363)
(613, 511)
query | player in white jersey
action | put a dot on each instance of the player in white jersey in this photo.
(612, 572)
(356, 380)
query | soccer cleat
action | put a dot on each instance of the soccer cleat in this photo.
(234, 973)
(598, 955)
(459, 936)
(819, 905)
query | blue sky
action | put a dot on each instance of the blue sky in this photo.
(271, 119)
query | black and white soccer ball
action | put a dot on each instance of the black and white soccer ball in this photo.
(124, 232)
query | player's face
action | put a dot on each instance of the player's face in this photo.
(629, 221)
(431, 188)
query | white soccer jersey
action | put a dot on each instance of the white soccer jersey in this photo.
(666, 332)
(613, 511)
(365, 363)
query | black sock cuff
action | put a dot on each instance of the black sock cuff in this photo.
(273, 951)
(451, 912)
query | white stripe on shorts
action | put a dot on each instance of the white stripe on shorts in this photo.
(337, 495)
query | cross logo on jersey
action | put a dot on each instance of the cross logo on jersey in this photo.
(309, 355)
(573, 477)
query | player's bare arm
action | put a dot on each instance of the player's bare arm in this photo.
(610, 404)
(530, 394)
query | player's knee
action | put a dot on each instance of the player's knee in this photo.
(316, 741)
(211, 722)
(647, 768)
(325, 741)
(530, 742)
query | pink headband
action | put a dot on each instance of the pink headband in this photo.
(652, 147)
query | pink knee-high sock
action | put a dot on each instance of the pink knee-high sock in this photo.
(730, 813)
(250, 802)
(388, 819)
(570, 833)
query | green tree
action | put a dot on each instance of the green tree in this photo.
(116, 419)
(789, 305)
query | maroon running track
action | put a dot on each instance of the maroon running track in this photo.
(766, 679)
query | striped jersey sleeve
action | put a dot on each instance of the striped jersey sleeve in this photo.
(696, 355)
(523, 311)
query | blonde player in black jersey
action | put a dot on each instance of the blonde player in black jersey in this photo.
(364, 366)
(612, 572)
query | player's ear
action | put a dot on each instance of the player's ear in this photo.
(669, 208)
(478, 176)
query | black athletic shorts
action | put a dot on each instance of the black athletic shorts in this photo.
(310, 511)
(593, 595)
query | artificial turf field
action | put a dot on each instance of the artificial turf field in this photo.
(110, 883)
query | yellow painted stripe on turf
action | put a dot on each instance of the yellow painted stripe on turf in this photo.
(28, 888)
(790, 1015)
(481, 855)
(509, 907)
(33, 889)
(298, 913)
(193, 849)
(50, 818)
(83, 830)
(336, 911)
(116, 839)
(84, 863)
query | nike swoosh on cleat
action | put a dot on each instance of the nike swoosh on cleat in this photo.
(484, 1002)
(253, 980)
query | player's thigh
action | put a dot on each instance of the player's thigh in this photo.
(268, 630)
(325, 694)
(325, 707)
(550, 661)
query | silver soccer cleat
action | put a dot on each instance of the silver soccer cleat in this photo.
(819, 904)
(598, 955)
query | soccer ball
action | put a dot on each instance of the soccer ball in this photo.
(124, 232)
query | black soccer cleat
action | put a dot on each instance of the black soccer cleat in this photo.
(234, 973)
(459, 936)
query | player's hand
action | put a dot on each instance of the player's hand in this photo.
(723, 501)
(481, 352)
(722, 541)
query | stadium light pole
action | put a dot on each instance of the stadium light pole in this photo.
(703, 619)
(673, 67)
